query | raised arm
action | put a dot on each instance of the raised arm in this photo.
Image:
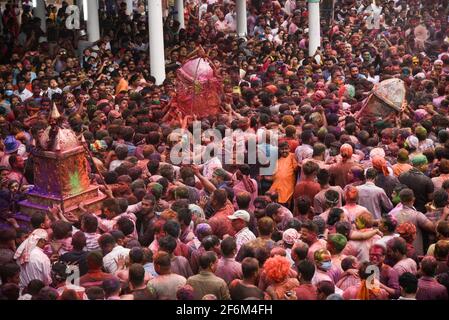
(208, 186)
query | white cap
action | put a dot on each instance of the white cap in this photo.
(240, 214)
(420, 76)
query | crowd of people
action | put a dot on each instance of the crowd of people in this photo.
(354, 209)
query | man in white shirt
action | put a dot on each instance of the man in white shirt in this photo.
(374, 12)
(34, 263)
(289, 7)
(231, 18)
(22, 92)
(240, 220)
(112, 252)
(203, 9)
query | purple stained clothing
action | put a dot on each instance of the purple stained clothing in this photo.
(348, 279)
(22, 219)
(374, 199)
(228, 269)
(406, 265)
(430, 289)
(180, 265)
(390, 278)
(335, 273)
(408, 214)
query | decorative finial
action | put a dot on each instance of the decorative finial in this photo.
(54, 113)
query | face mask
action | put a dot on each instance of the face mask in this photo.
(326, 265)
(9, 93)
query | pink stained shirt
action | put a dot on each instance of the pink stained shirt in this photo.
(406, 265)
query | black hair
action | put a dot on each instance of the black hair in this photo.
(185, 216)
(209, 242)
(167, 244)
(334, 216)
(90, 223)
(306, 269)
(250, 266)
(37, 218)
(408, 282)
(228, 245)
(8, 270)
(172, 228)
(125, 225)
(206, 259)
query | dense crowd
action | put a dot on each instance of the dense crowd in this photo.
(354, 209)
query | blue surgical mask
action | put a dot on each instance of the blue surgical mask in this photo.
(9, 93)
(326, 265)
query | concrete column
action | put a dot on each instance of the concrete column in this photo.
(155, 24)
(40, 12)
(179, 5)
(314, 26)
(242, 26)
(129, 7)
(93, 24)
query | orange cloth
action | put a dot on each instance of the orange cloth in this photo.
(364, 293)
(380, 164)
(399, 168)
(284, 178)
(122, 86)
(346, 151)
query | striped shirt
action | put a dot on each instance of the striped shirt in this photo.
(244, 236)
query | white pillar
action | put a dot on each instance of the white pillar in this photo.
(93, 25)
(80, 4)
(179, 5)
(129, 7)
(155, 23)
(314, 26)
(40, 12)
(242, 28)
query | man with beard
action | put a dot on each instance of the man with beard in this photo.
(358, 80)
(146, 219)
(285, 175)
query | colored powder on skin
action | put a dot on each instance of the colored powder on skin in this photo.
(75, 183)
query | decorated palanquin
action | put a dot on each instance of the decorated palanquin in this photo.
(388, 97)
(61, 175)
(198, 89)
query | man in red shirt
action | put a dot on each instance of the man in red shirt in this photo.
(428, 286)
(306, 290)
(308, 187)
(94, 275)
(219, 222)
